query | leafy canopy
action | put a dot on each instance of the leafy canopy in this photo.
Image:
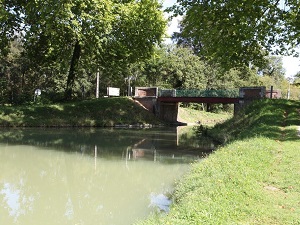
(69, 40)
(241, 31)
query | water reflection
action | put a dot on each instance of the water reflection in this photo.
(101, 176)
(130, 144)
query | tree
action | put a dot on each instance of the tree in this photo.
(14, 76)
(174, 67)
(75, 38)
(297, 79)
(184, 69)
(273, 68)
(240, 32)
(178, 67)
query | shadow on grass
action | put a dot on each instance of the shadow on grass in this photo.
(270, 118)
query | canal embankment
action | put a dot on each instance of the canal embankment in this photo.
(102, 112)
(253, 179)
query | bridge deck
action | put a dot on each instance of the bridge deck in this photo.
(199, 99)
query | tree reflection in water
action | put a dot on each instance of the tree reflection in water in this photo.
(103, 176)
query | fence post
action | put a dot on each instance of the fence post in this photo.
(97, 84)
(271, 94)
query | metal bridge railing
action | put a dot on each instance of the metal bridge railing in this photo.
(228, 93)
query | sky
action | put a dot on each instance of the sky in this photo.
(290, 64)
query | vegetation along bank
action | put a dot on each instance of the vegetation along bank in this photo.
(102, 112)
(253, 179)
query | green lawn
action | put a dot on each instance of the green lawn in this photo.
(253, 179)
(193, 116)
(97, 112)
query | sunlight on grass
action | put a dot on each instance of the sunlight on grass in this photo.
(100, 112)
(58, 107)
(254, 179)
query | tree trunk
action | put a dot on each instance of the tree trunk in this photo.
(72, 71)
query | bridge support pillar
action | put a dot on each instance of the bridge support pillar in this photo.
(168, 111)
(247, 95)
(237, 108)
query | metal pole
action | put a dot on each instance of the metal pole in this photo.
(271, 94)
(95, 158)
(97, 85)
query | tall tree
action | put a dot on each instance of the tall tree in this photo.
(273, 68)
(185, 70)
(239, 32)
(75, 37)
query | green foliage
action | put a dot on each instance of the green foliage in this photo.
(273, 68)
(185, 70)
(235, 33)
(180, 68)
(272, 74)
(297, 79)
(265, 117)
(66, 42)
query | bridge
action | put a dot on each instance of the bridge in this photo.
(199, 96)
(165, 103)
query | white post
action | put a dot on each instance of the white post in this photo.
(129, 88)
(289, 91)
(97, 85)
(95, 157)
(290, 80)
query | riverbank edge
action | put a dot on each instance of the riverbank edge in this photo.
(249, 179)
(118, 112)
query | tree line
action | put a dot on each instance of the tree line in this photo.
(59, 46)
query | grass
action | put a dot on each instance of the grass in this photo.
(103, 112)
(253, 179)
(98, 112)
(266, 118)
(193, 116)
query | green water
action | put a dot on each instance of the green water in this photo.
(83, 176)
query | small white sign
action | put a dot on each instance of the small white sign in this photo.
(111, 91)
(38, 92)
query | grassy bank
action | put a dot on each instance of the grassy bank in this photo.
(254, 179)
(193, 116)
(97, 112)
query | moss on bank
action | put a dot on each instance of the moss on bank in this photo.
(255, 179)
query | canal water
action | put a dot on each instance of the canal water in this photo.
(92, 176)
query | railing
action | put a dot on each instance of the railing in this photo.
(229, 93)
